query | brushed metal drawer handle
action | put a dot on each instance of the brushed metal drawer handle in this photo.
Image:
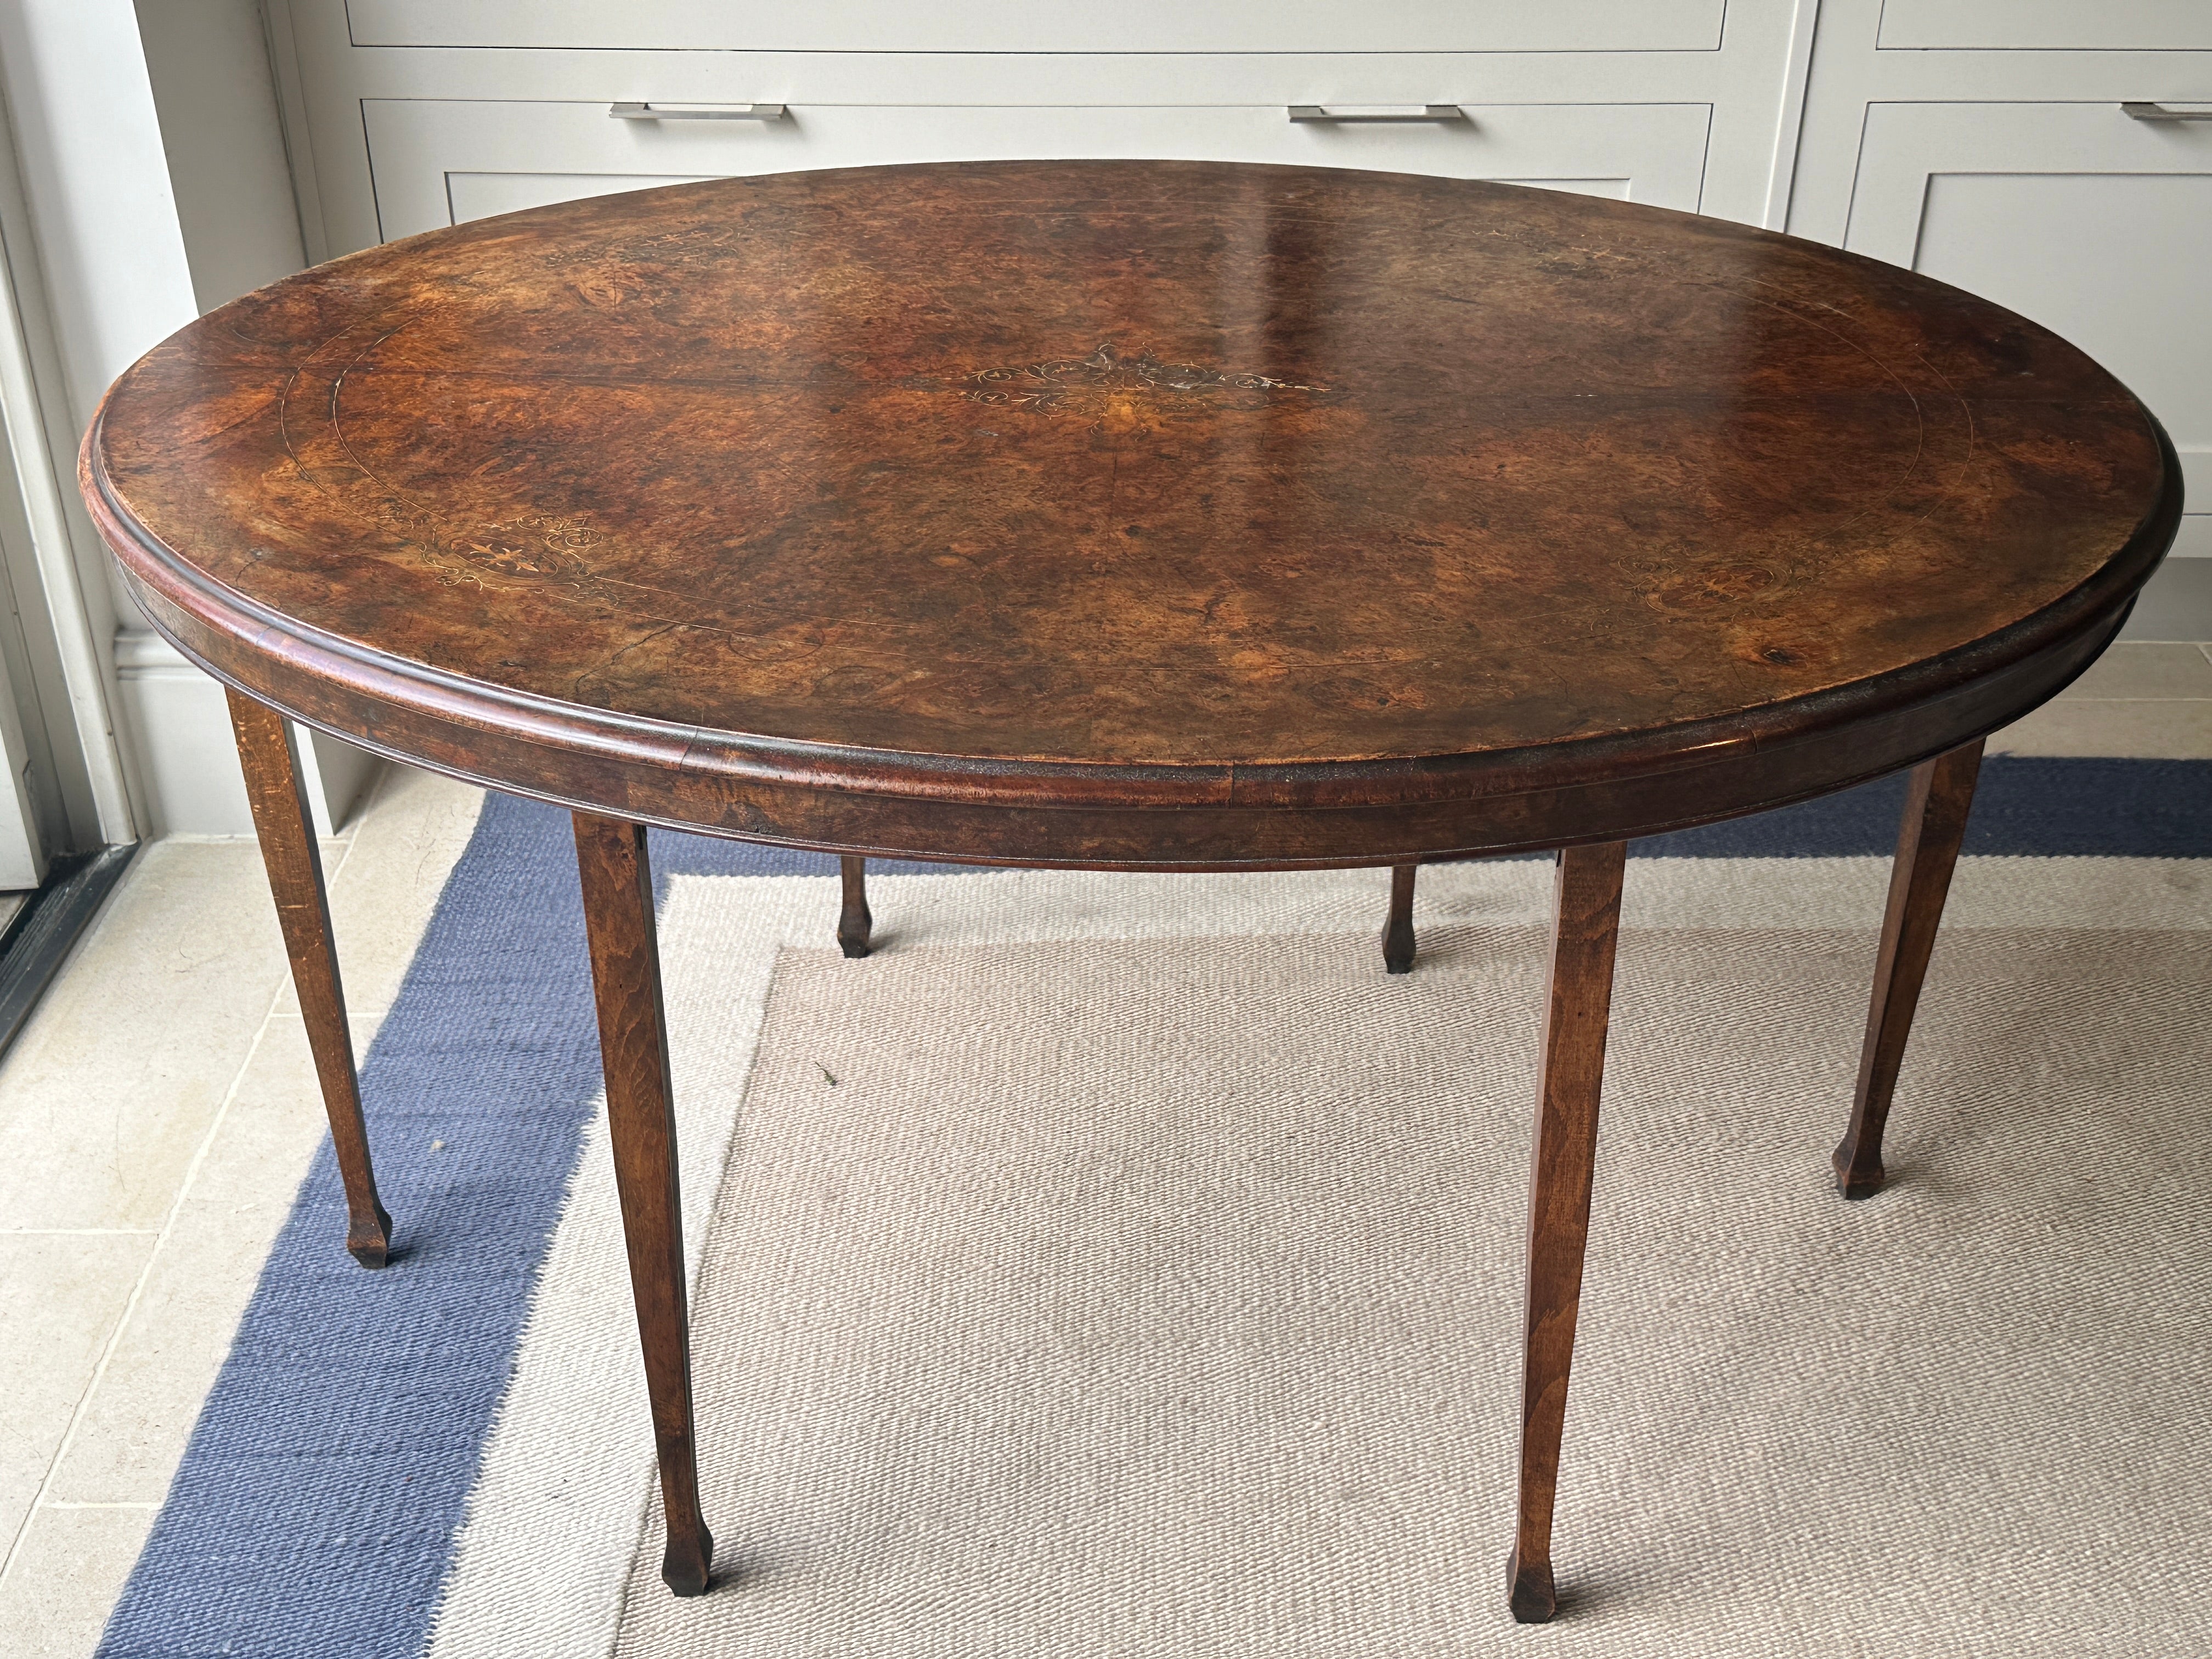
(1350, 117)
(698, 112)
(2160, 112)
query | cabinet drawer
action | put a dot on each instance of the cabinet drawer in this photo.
(441, 161)
(2046, 25)
(2095, 226)
(1025, 25)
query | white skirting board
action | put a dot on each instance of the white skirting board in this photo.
(176, 719)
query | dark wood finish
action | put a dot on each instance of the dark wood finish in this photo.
(853, 921)
(1342, 518)
(1136, 516)
(287, 832)
(617, 883)
(1398, 926)
(1928, 840)
(1577, 1002)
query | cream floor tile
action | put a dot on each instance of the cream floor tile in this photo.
(132, 1433)
(2129, 669)
(406, 842)
(58, 1591)
(2161, 729)
(108, 1093)
(61, 1295)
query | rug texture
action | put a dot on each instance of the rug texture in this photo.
(1125, 1265)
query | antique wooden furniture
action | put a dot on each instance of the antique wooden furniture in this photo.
(1139, 516)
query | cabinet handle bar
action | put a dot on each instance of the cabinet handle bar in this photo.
(697, 113)
(2160, 112)
(1347, 118)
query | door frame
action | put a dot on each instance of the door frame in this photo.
(84, 802)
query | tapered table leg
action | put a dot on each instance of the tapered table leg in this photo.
(1398, 927)
(287, 831)
(617, 884)
(1577, 1002)
(853, 921)
(1928, 840)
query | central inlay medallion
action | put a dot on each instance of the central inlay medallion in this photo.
(1114, 387)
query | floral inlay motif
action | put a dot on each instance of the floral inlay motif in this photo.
(1113, 383)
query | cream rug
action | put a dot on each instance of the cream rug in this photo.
(1121, 1266)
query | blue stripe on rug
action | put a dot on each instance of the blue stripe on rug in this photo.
(315, 1510)
(2023, 806)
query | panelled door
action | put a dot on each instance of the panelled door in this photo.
(1025, 26)
(2092, 221)
(440, 162)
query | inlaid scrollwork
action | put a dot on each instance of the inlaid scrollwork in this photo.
(1110, 382)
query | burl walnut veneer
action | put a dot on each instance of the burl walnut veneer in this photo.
(1129, 515)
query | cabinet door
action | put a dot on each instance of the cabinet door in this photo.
(2045, 25)
(2095, 225)
(440, 162)
(1022, 25)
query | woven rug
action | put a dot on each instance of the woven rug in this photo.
(1125, 1265)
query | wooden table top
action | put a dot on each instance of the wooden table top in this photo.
(1109, 486)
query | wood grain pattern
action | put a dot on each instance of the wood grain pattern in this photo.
(287, 832)
(978, 511)
(617, 883)
(1936, 807)
(1577, 1005)
(1398, 942)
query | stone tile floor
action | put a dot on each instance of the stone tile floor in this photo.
(155, 1117)
(161, 1108)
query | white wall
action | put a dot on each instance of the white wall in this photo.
(155, 179)
(224, 143)
(89, 145)
(104, 272)
(208, 63)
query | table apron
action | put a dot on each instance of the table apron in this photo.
(659, 786)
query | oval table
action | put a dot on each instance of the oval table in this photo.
(1135, 516)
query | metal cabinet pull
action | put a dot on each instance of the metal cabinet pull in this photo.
(2160, 112)
(698, 112)
(1346, 117)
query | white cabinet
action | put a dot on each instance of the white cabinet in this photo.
(1986, 142)
(440, 162)
(1045, 26)
(2046, 25)
(402, 114)
(2097, 226)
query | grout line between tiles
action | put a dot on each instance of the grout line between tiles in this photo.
(43, 1499)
